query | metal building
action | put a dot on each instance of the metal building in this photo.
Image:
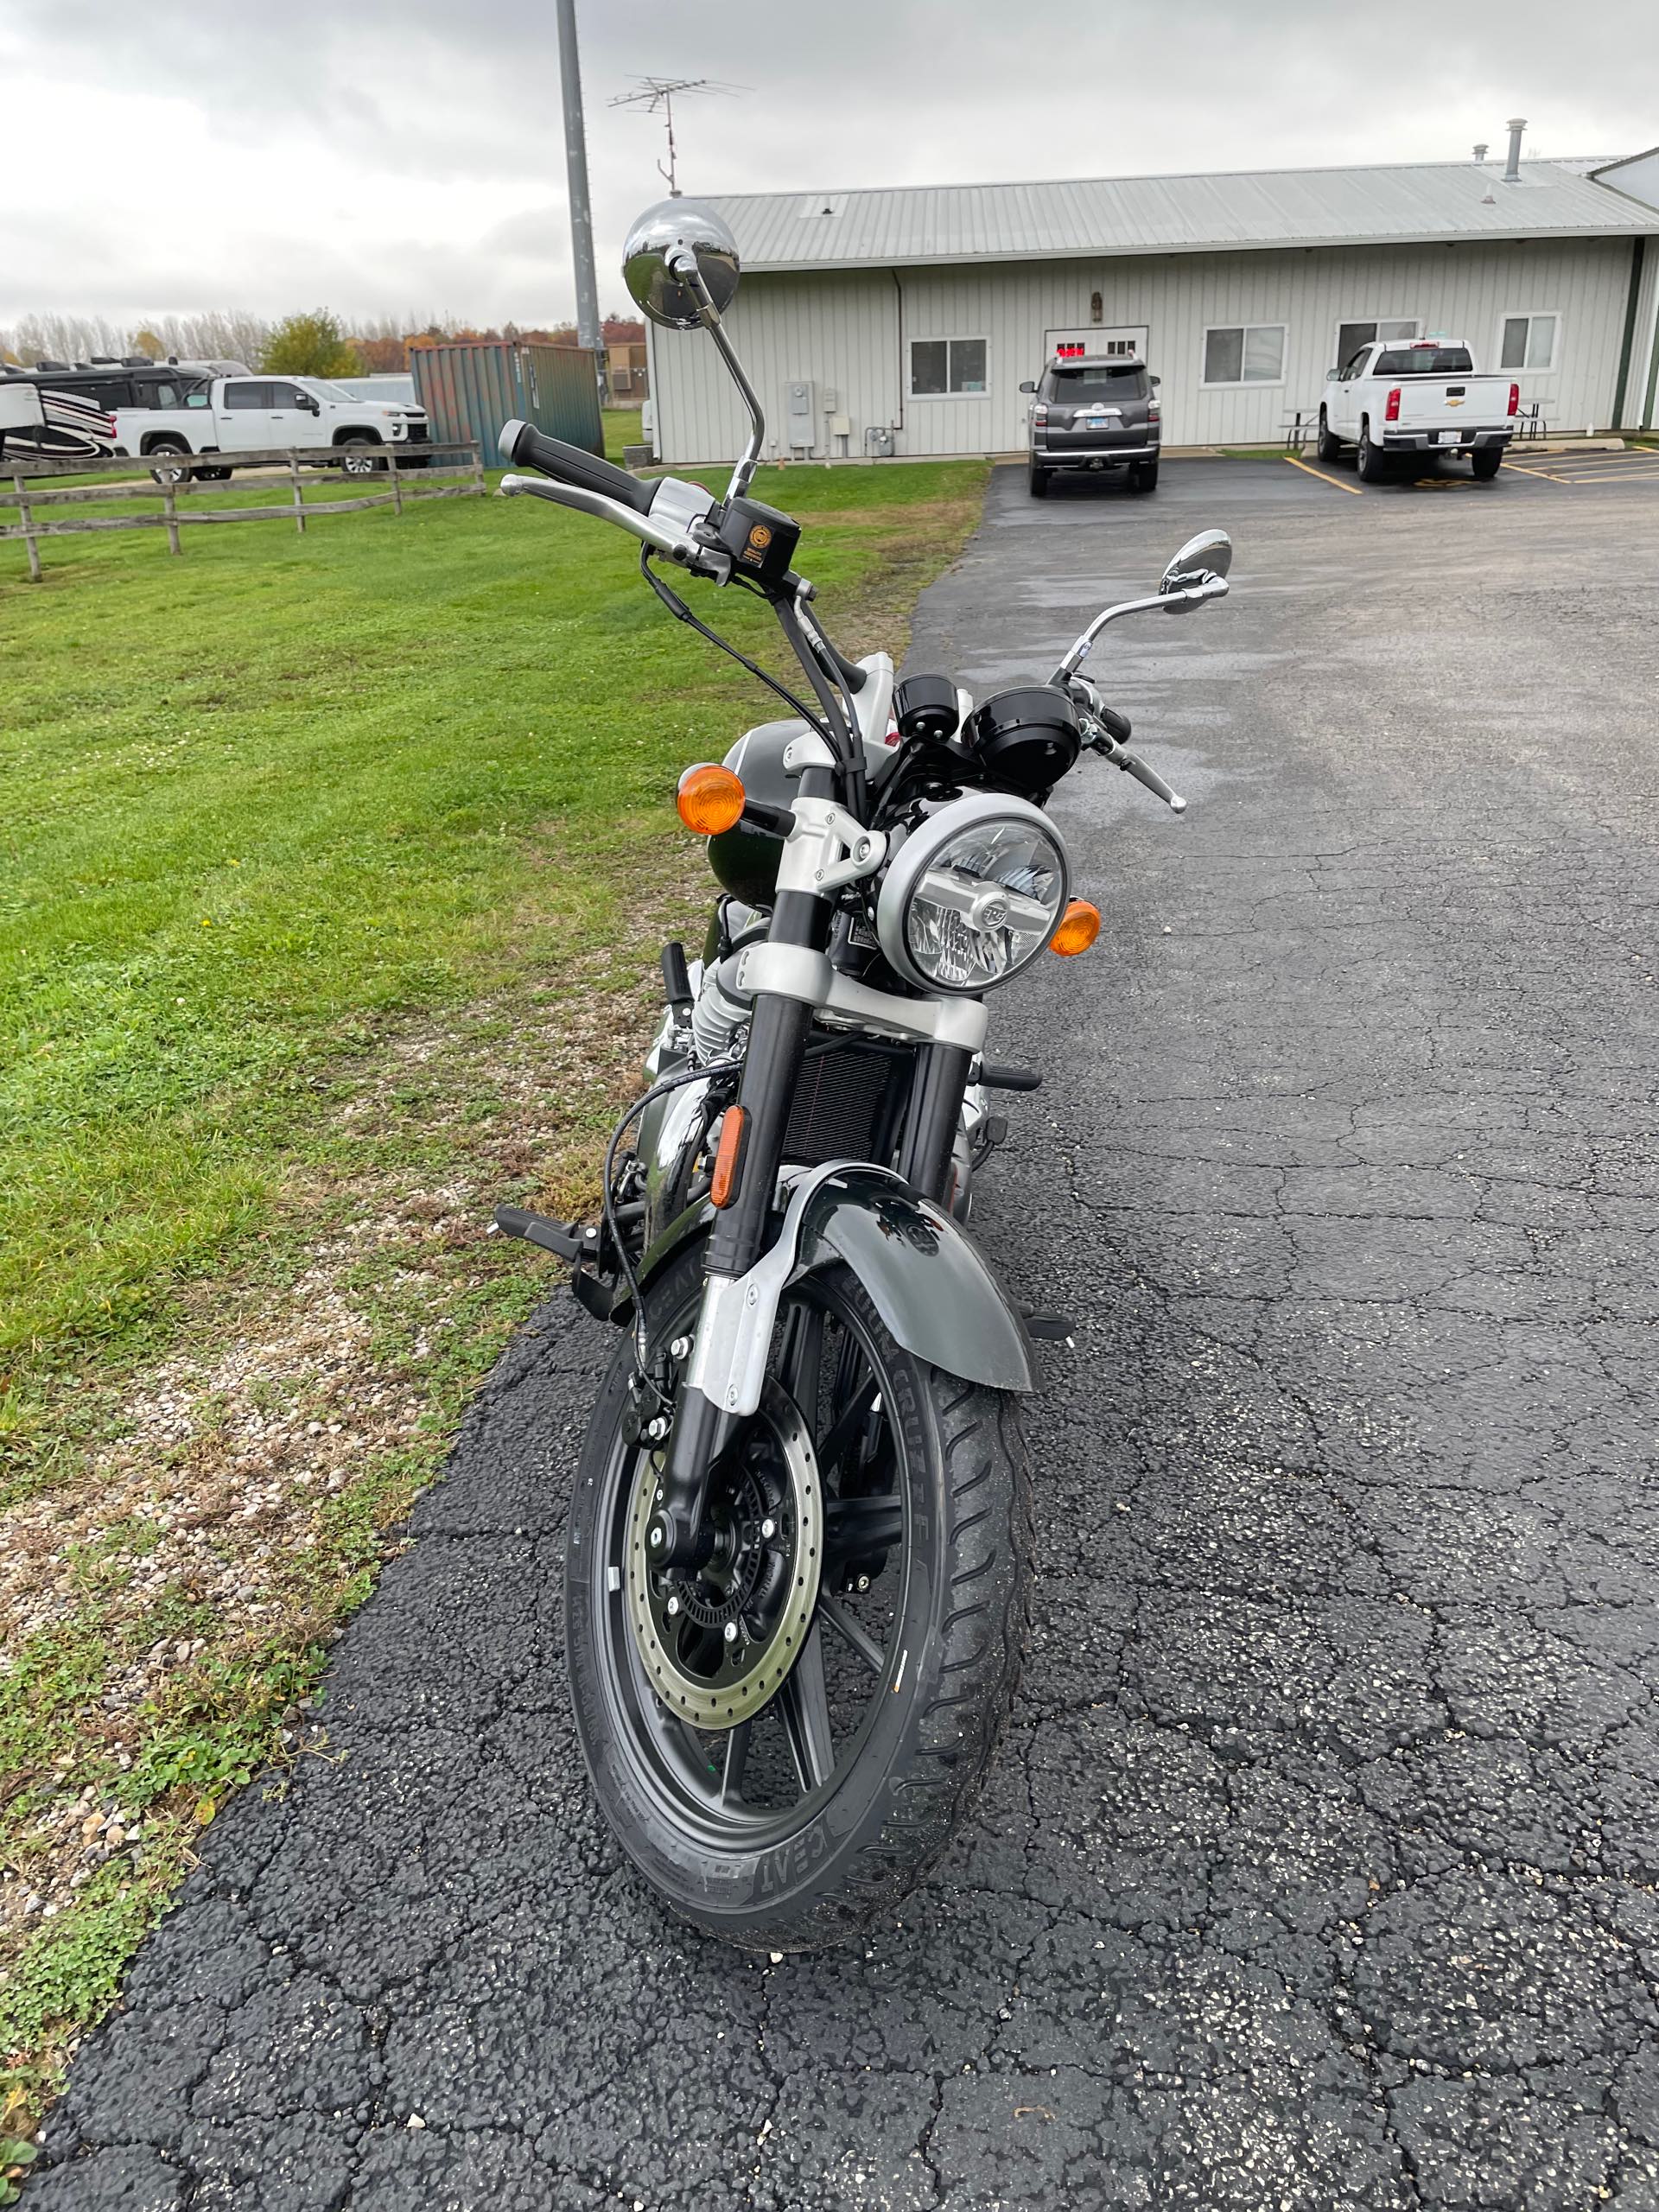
(905, 320)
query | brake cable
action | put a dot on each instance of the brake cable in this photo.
(677, 607)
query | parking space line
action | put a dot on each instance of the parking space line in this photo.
(1320, 476)
(1543, 474)
(1610, 476)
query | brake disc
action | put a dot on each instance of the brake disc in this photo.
(736, 1628)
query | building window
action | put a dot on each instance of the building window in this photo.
(1528, 341)
(1353, 337)
(1251, 353)
(942, 366)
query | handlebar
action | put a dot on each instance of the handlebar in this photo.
(529, 448)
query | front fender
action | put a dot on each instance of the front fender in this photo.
(930, 1283)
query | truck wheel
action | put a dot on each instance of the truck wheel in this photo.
(1373, 462)
(1143, 476)
(165, 470)
(357, 455)
(1486, 461)
(1038, 479)
(1330, 447)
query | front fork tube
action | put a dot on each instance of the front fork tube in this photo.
(677, 1536)
(936, 1095)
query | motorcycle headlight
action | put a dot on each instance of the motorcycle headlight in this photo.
(973, 895)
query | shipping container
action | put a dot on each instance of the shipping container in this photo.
(470, 390)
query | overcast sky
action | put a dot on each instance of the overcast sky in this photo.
(385, 156)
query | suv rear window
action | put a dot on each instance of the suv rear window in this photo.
(1425, 361)
(1104, 380)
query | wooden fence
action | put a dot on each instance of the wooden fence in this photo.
(182, 504)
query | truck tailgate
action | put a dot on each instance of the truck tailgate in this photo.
(1429, 402)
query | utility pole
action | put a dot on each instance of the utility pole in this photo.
(588, 332)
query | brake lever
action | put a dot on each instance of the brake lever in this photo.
(1132, 764)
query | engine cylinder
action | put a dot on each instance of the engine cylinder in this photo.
(718, 1015)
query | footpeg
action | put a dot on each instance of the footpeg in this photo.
(998, 1075)
(566, 1240)
(1048, 1328)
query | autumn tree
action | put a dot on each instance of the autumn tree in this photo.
(311, 345)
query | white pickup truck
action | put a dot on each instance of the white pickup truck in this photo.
(1396, 397)
(248, 413)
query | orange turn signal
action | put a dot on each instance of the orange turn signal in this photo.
(710, 799)
(1079, 927)
(722, 1185)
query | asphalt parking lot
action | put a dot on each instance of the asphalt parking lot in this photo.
(1320, 1868)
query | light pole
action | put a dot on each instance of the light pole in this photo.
(588, 332)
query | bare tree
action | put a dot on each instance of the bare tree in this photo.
(63, 338)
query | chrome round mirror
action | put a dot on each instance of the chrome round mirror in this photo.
(671, 227)
(1208, 554)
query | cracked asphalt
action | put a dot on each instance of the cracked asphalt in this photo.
(1320, 1868)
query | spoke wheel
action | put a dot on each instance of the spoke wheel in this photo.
(781, 1740)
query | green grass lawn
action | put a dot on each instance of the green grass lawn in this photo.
(621, 428)
(333, 867)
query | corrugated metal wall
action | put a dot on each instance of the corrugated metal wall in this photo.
(1642, 391)
(471, 389)
(849, 332)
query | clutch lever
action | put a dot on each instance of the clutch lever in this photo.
(704, 560)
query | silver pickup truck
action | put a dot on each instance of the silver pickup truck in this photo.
(1393, 398)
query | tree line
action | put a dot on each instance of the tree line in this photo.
(315, 343)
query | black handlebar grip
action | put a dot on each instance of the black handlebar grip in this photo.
(529, 448)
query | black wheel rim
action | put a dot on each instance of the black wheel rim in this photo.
(745, 1787)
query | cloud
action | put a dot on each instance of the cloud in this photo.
(385, 156)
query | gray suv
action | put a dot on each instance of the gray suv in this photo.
(1094, 414)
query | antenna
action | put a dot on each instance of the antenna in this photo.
(659, 94)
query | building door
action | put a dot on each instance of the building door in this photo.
(1118, 342)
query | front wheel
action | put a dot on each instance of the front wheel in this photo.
(360, 457)
(167, 462)
(1330, 447)
(783, 1741)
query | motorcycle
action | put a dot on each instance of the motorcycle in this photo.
(799, 1546)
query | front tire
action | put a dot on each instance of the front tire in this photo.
(359, 455)
(165, 469)
(859, 1770)
(1330, 447)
